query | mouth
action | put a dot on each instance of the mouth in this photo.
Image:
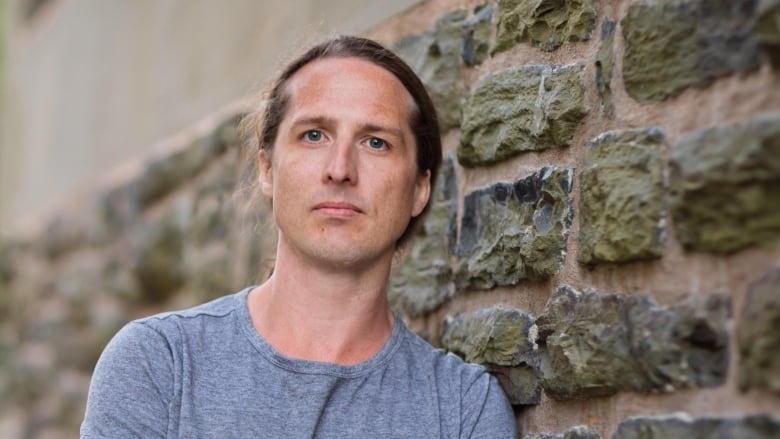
(337, 209)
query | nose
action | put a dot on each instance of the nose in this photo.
(341, 165)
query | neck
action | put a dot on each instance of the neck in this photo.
(324, 313)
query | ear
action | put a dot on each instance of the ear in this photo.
(265, 174)
(422, 192)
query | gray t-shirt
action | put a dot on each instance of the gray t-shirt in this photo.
(206, 372)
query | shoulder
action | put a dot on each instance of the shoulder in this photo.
(484, 408)
(173, 323)
(158, 336)
(443, 364)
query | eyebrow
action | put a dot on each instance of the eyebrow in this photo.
(329, 121)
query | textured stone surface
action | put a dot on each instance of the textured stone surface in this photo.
(605, 63)
(476, 36)
(768, 29)
(578, 432)
(423, 280)
(502, 339)
(622, 197)
(544, 23)
(724, 182)
(682, 426)
(435, 57)
(7, 269)
(158, 265)
(520, 109)
(594, 344)
(515, 231)
(674, 44)
(759, 335)
(166, 173)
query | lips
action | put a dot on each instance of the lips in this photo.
(337, 209)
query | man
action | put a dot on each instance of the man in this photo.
(347, 153)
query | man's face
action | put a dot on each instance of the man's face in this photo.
(343, 175)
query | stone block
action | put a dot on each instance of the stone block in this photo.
(768, 29)
(526, 108)
(158, 259)
(212, 219)
(577, 432)
(502, 339)
(7, 265)
(595, 344)
(211, 274)
(605, 64)
(674, 44)
(515, 231)
(723, 183)
(165, 174)
(423, 280)
(435, 57)
(683, 426)
(622, 197)
(758, 335)
(476, 36)
(546, 24)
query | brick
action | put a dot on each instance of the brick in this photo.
(596, 344)
(723, 184)
(502, 339)
(545, 24)
(423, 280)
(671, 45)
(435, 57)
(682, 426)
(759, 339)
(515, 231)
(527, 108)
(622, 197)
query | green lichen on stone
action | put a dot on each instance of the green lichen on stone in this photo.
(165, 174)
(724, 186)
(423, 280)
(768, 29)
(497, 335)
(514, 231)
(7, 266)
(476, 36)
(546, 24)
(594, 344)
(210, 275)
(526, 108)
(502, 339)
(622, 197)
(435, 57)
(577, 432)
(158, 259)
(520, 383)
(674, 44)
(759, 337)
(605, 63)
(682, 426)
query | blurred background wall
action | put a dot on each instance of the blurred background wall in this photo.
(604, 237)
(89, 84)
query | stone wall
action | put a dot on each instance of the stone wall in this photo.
(605, 234)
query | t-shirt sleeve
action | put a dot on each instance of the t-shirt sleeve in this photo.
(486, 412)
(131, 386)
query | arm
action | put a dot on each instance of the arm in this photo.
(131, 386)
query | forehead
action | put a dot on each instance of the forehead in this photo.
(324, 83)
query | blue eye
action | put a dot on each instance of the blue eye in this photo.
(313, 136)
(376, 143)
